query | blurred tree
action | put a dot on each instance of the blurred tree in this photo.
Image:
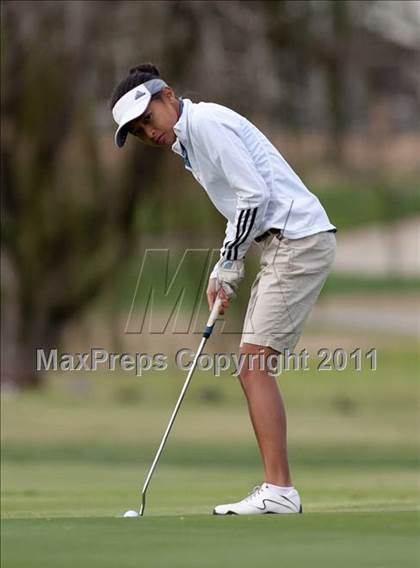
(67, 220)
(310, 36)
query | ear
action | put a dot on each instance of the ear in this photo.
(169, 94)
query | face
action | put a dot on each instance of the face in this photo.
(155, 126)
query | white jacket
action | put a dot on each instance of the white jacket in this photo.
(245, 176)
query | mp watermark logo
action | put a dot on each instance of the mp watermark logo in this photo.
(170, 293)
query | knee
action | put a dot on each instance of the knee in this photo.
(254, 363)
(244, 374)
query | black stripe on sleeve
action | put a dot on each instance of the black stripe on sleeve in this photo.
(239, 232)
(248, 231)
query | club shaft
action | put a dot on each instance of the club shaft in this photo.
(171, 422)
(206, 334)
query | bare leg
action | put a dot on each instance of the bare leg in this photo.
(268, 415)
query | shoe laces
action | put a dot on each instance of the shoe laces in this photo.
(253, 493)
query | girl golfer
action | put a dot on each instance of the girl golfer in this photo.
(264, 201)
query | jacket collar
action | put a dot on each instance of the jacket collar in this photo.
(180, 127)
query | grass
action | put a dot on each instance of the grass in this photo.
(354, 284)
(353, 540)
(355, 204)
(75, 456)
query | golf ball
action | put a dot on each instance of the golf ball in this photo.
(131, 514)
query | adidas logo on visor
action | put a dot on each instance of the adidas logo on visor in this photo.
(138, 95)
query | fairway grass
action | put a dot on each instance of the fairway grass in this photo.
(74, 458)
(384, 540)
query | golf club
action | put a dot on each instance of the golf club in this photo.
(206, 334)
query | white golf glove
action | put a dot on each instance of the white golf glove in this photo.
(229, 274)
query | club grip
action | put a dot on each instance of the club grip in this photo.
(213, 317)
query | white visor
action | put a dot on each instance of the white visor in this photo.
(132, 105)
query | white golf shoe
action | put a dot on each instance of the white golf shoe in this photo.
(263, 500)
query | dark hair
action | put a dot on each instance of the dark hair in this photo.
(137, 76)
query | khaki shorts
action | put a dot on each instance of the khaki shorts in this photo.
(293, 272)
